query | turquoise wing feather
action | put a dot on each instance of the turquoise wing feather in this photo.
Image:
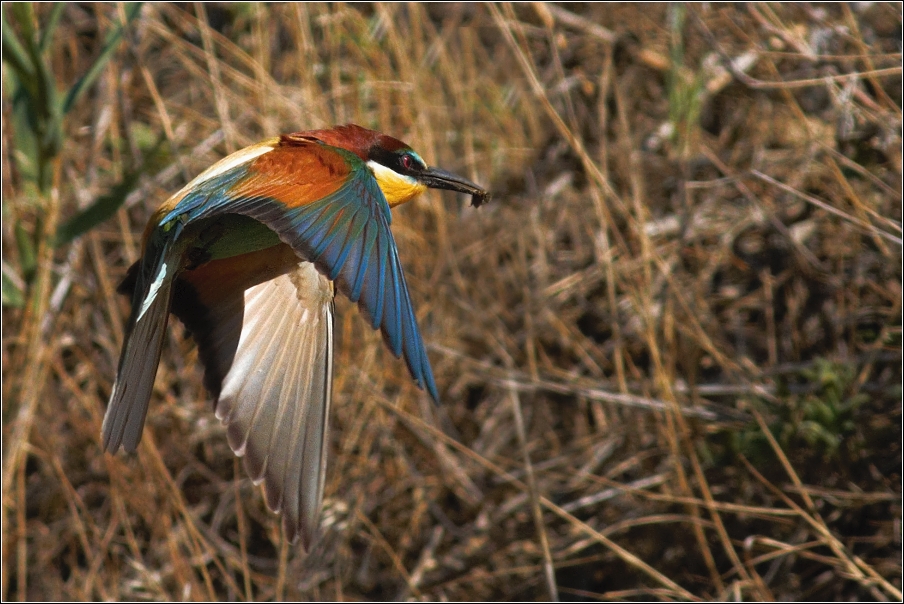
(346, 234)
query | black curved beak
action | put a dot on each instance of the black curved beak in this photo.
(440, 179)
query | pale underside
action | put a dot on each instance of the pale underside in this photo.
(275, 398)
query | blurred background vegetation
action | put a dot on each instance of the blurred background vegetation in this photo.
(669, 350)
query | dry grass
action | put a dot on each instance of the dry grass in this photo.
(669, 350)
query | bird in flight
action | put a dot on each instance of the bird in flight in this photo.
(248, 256)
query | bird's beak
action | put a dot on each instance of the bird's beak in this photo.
(440, 179)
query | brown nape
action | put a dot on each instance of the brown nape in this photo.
(350, 137)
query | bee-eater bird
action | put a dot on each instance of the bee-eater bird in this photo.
(247, 256)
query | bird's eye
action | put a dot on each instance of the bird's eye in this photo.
(407, 161)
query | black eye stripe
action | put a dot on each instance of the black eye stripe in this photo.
(403, 163)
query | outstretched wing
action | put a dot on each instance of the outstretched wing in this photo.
(265, 337)
(325, 203)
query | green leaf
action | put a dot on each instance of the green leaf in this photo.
(47, 35)
(94, 71)
(36, 96)
(13, 51)
(28, 257)
(105, 206)
(13, 288)
(24, 13)
(96, 213)
(25, 150)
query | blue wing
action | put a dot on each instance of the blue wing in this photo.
(345, 233)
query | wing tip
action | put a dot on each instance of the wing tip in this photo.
(426, 382)
(299, 532)
(432, 391)
(299, 525)
(112, 442)
(109, 444)
(114, 430)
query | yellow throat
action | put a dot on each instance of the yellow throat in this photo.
(397, 188)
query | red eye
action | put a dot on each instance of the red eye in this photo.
(407, 161)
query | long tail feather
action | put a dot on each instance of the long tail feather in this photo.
(128, 405)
